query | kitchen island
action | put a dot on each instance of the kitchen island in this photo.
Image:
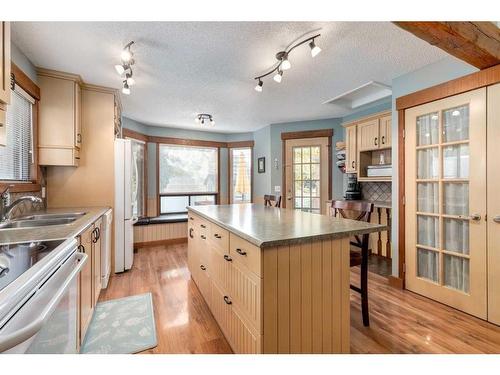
(276, 280)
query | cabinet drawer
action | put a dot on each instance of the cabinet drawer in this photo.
(243, 339)
(246, 253)
(203, 226)
(219, 237)
(245, 291)
(220, 267)
(203, 281)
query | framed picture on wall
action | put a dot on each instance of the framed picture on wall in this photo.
(261, 165)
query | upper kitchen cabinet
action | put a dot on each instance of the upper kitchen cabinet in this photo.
(385, 131)
(4, 64)
(351, 149)
(368, 135)
(60, 134)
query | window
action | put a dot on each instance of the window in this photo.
(16, 157)
(188, 175)
(306, 178)
(138, 194)
(240, 160)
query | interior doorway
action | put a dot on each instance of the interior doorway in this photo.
(307, 166)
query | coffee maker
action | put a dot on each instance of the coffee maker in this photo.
(353, 191)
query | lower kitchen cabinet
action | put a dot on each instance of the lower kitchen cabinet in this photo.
(90, 275)
(96, 260)
(85, 288)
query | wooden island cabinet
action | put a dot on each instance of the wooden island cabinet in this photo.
(276, 280)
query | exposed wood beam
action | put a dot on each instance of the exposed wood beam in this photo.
(476, 43)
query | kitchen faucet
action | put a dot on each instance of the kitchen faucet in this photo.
(6, 207)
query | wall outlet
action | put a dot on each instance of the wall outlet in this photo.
(277, 189)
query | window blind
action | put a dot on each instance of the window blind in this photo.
(17, 156)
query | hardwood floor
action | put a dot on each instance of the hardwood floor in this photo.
(400, 321)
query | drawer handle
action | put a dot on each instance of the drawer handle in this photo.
(191, 218)
(228, 258)
(496, 219)
(383, 139)
(353, 163)
(227, 300)
(203, 237)
(203, 267)
(203, 225)
(241, 252)
(375, 141)
(191, 233)
(81, 249)
(217, 236)
(475, 217)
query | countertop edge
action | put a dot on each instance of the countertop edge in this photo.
(297, 240)
(67, 230)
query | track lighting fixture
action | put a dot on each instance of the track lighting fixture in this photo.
(205, 119)
(127, 58)
(284, 63)
(258, 88)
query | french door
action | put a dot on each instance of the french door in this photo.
(445, 193)
(307, 174)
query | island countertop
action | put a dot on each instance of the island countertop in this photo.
(270, 226)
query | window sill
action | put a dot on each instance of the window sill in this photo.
(163, 219)
(20, 187)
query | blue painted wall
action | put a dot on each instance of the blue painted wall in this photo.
(22, 62)
(430, 75)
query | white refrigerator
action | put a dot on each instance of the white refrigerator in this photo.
(124, 220)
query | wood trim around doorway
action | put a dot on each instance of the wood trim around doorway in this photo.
(300, 135)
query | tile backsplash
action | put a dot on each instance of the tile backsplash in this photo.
(376, 191)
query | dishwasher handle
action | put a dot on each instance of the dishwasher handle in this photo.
(15, 338)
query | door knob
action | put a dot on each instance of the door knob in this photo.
(475, 217)
(496, 219)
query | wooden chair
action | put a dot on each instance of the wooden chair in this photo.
(358, 257)
(269, 199)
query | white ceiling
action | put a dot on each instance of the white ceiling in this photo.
(184, 68)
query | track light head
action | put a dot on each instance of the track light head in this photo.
(130, 80)
(258, 88)
(126, 88)
(278, 76)
(119, 69)
(315, 50)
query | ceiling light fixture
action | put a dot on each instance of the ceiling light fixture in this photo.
(314, 49)
(205, 119)
(284, 62)
(127, 58)
(278, 76)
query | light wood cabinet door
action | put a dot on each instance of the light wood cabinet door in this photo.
(245, 291)
(4, 62)
(220, 267)
(243, 339)
(96, 260)
(3, 127)
(85, 287)
(445, 189)
(385, 132)
(368, 135)
(78, 116)
(221, 308)
(192, 249)
(493, 182)
(351, 152)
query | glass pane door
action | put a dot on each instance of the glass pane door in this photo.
(306, 178)
(442, 185)
(445, 205)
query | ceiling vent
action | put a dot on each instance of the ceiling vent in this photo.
(366, 94)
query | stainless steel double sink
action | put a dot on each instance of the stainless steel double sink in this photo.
(42, 220)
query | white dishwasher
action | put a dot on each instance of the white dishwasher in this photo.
(38, 303)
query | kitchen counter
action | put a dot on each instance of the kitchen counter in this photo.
(268, 226)
(53, 232)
